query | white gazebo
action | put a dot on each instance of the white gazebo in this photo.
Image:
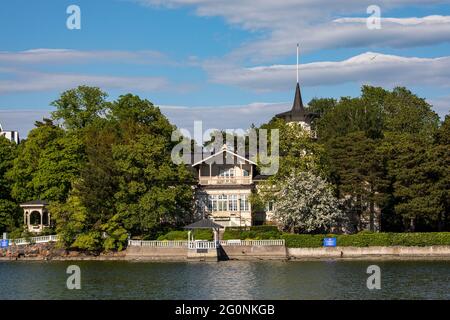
(204, 224)
(35, 215)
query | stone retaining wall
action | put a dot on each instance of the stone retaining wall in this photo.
(253, 252)
(359, 252)
(156, 253)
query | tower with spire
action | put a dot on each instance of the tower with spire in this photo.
(298, 113)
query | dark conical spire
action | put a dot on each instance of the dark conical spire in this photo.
(298, 103)
(298, 112)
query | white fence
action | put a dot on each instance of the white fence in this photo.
(277, 242)
(159, 244)
(204, 244)
(42, 239)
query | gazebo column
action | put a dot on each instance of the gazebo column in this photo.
(189, 239)
(28, 220)
(42, 219)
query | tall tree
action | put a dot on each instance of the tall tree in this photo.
(152, 189)
(9, 211)
(421, 181)
(26, 163)
(359, 171)
(79, 107)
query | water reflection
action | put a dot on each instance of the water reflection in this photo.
(226, 280)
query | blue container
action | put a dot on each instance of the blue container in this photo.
(329, 242)
(4, 243)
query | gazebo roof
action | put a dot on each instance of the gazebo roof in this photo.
(203, 224)
(35, 203)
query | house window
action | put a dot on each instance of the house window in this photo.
(222, 203)
(270, 206)
(212, 203)
(227, 173)
(245, 173)
(233, 202)
(244, 203)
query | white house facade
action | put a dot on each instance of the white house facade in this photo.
(12, 136)
(226, 180)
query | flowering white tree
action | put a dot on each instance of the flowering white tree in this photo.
(306, 202)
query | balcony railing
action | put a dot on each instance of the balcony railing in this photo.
(224, 180)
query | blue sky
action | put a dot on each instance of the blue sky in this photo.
(229, 63)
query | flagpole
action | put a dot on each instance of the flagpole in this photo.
(297, 62)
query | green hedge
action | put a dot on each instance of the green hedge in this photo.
(366, 239)
(254, 232)
(199, 234)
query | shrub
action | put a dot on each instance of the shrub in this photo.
(366, 239)
(199, 234)
(90, 241)
(174, 235)
(254, 233)
(303, 240)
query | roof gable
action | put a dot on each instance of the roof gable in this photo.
(222, 150)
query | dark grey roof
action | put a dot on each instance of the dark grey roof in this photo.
(203, 224)
(298, 111)
(261, 177)
(36, 202)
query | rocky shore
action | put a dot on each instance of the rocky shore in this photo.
(50, 251)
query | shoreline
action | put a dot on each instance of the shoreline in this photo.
(269, 253)
(290, 259)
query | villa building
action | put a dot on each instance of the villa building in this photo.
(225, 183)
(226, 180)
(12, 136)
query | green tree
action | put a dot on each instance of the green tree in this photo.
(297, 149)
(407, 113)
(47, 163)
(306, 203)
(359, 171)
(420, 173)
(9, 211)
(70, 217)
(29, 155)
(79, 107)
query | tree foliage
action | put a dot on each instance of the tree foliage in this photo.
(307, 204)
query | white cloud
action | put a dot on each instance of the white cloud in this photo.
(310, 22)
(26, 81)
(436, 19)
(367, 68)
(270, 14)
(349, 33)
(46, 55)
